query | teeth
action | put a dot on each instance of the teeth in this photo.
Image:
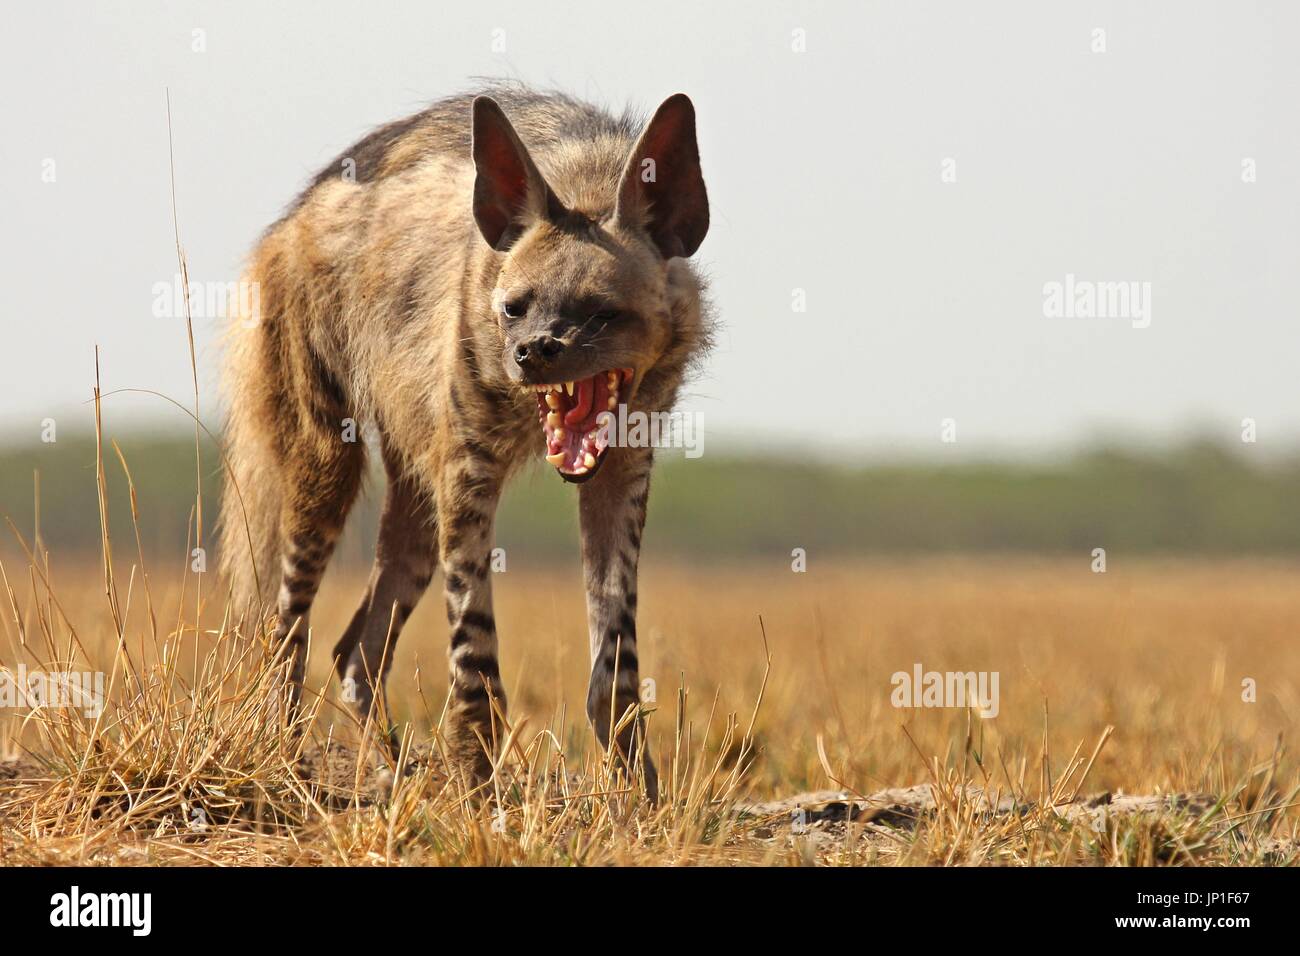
(552, 400)
(581, 471)
(553, 419)
(589, 460)
(559, 434)
(557, 459)
(568, 387)
(611, 403)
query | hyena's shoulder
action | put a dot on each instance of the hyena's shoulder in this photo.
(553, 125)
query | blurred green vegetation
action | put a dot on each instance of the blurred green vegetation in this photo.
(1196, 499)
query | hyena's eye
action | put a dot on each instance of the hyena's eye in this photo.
(514, 309)
(605, 315)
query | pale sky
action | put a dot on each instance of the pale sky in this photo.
(924, 298)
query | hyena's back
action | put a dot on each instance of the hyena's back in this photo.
(383, 231)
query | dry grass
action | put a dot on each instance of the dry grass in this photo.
(1156, 651)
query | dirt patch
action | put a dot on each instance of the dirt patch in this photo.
(826, 818)
(906, 807)
(20, 769)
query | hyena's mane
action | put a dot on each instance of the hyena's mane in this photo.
(546, 120)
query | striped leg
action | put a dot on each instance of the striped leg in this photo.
(612, 510)
(322, 481)
(467, 498)
(404, 560)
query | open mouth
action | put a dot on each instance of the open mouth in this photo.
(575, 441)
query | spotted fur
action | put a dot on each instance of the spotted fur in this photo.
(380, 307)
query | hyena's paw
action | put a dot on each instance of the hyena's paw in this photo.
(633, 758)
(467, 731)
(651, 777)
(631, 750)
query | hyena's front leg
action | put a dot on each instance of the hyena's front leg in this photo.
(468, 491)
(612, 509)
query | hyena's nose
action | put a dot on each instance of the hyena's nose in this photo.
(538, 351)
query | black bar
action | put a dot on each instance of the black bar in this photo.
(294, 904)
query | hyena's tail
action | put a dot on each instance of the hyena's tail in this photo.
(249, 528)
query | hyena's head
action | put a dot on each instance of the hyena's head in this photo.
(592, 300)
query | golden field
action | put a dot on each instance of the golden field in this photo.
(1157, 651)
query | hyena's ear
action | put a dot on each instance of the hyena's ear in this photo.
(509, 191)
(662, 188)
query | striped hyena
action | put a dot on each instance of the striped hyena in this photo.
(475, 290)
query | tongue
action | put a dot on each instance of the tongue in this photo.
(583, 403)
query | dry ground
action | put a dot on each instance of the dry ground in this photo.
(1122, 735)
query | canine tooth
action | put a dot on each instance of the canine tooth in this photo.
(557, 459)
(589, 460)
(568, 387)
(553, 419)
(552, 400)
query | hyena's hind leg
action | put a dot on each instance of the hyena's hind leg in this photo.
(322, 474)
(404, 563)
